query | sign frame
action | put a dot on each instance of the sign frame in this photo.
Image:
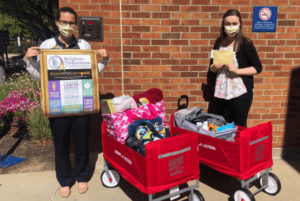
(45, 80)
(259, 24)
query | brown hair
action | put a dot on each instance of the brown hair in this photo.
(238, 37)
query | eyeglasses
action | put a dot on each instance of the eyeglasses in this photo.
(65, 23)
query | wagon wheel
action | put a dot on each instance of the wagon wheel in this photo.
(274, 185)
(242, 194)
(197, 196)
(113, 182)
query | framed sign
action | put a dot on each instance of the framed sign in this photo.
(69, 82)
(264, 19)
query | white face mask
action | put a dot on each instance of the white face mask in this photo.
(66, 31)
(232, 30)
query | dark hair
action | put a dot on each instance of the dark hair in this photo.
(238, 37)
(65, 10)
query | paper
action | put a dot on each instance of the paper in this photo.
(222, 57)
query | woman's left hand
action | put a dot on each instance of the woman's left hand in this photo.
(232, 69)
(102, 53)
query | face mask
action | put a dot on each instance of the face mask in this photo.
(232, 30)
(66, 31)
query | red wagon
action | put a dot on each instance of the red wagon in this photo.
(248, 158)
(168, 163)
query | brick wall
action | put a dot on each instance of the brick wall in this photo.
(166, 44)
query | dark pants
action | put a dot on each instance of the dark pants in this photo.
(60, 128)
(235, 110)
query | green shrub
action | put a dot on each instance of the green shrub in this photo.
(14, 48)
(38, 125)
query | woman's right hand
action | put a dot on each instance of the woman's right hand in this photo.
(32, 52)
(215, 67)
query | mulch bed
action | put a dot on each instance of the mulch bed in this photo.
(40, 156)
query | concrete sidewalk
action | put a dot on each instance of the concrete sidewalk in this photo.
(214, 186)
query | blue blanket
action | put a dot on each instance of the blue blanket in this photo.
(10, 161)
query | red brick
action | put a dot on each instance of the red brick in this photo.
(180, 29)
(276, 42)
(284, 49)
(160, 1)
(150, 8)
(170, 22)
(150, 22)
(141, 81)
(130, 7)
(190, 8)
(210, 22)
(140, 28)
(151, 48)
(180, 15)
(270, 116)
(287, 9)
(131, 22)
(140, 1)
(170, 8)
(132, 48)
(226, 8)
(240, 2)
(161, 68)
(190, 49)
(98, 1)
(199, 29)
(189, 22)
(160, 42)
(161, 81)
(179, 68)
(265, 49)
(109, 7)
(210, 8)
(180, 55)
(161, 15)
(220, 2)
(78, 1)
(180, 1)
(201, 2)
(260, 2)
(279, 3)
(274, 55)
(292, 55)
(152, 74)
(171, 49)
(151, 62)
(170, 74)
(199, 42)
(283, 61)
(131, 35)
(286, 36)
(140, 42)
(151, 35)
(190, 35)
(141, 68)
(161, 55)
(179, 42)
(140, 14)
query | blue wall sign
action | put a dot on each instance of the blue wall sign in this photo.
(264, 19)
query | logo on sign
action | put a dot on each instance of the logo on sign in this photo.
(265, 14)
(56, 62)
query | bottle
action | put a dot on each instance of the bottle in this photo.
(199, 124)
(205, 125)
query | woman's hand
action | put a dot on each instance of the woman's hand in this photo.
(215, 67)
(32, 52)
(102, 53)
(232, 69)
